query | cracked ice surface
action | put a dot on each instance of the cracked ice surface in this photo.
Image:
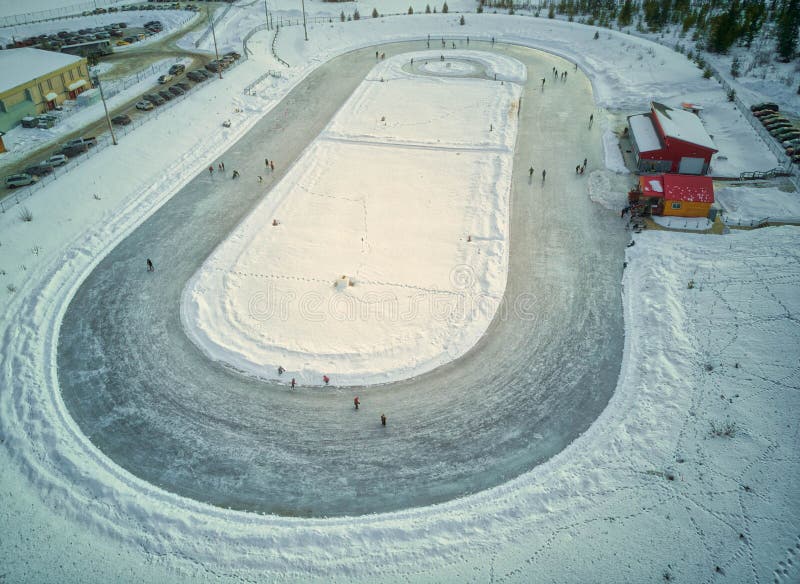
(389, 256)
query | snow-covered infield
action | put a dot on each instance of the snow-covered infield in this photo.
(687, 476)
(389, 256)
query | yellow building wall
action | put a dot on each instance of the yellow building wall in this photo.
(38, 88)
(687, 209)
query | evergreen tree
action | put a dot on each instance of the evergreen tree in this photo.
(462, 22)
(356, 15)
(551, 13)
(427, 9)
(480, 8)
(444, 8)
(725, 29)
(626, 14)
(410, 10)
(341, 16)
(735, 68)
(374, 13)
(788, 23)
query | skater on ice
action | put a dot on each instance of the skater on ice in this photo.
(356, 402)
(150, 267)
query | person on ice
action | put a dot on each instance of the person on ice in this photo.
(272, 165)
(383, 419)
(281, 369)
(150, 267)
(356, 402)
(235, 174)
(293, 382)
(544, 174)
(591, 120)
(530, 172)
(260, 178)
(211, 169)
(326, 379)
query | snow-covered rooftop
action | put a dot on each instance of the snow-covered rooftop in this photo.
(689, 188)
(644, 134)
(18, 66)
(682, 125)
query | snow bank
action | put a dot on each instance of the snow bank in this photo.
(743, 205)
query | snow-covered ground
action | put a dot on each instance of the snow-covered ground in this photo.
(686, 476)
(394, 222)
(745, 205)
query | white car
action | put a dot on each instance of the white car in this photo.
(165, 79)
(20, 180)
(56, 160)
(144, 105)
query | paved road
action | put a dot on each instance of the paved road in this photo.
(149, 399)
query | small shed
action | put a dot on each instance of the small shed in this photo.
(670, 140)
(679, 195)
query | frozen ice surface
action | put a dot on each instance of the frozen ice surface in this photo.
(155, 404)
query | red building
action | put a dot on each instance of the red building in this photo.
(673, 194)
(670, 140)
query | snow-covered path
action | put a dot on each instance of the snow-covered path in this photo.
(155, 404)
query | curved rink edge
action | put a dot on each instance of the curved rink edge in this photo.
(153, 403)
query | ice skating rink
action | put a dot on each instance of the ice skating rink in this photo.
(153, 402)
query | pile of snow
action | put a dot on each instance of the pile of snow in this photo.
(745, 205)
(683, 223)
(404, 197)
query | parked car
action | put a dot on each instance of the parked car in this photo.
(778, 124)
(19, 180)
(154, 99)
(29, 122)
(166, 95)
(121, 120)
(165, 79)
(177, 69)
(56, 160)
(233, 54)
(175, 90)
(196, 76)
(770, 117)
(765, 106)
(787, 133)
(123, 43)
(39, 170)
(183, 85)
(73, 151)
(144, 105)
(87, 141)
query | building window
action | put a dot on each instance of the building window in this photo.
(676, 205)
(71, 77)
(50, 84)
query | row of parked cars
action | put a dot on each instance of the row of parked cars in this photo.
(66, 37)
(782, 129)
(35, 172)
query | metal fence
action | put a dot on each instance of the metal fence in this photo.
(250, 88)
(72, 11)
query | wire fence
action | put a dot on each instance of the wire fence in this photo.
(72, 11)
(208, 31)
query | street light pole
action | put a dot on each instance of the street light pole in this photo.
(305, 30)
(266, 13)
(96, 78)
(216, 50)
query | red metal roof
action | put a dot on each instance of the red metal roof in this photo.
(651, 185)
(687, 187)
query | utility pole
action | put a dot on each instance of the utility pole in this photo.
(96, 79)
(305, 30)
(216, 50)
(266, 14)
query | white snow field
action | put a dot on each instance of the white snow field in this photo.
(743, 205)
(390, 253)
(688, 475)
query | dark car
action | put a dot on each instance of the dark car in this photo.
(121, 120)
(166, 95)
(183, 85)
(175, 90)
(196, 76)
(177, 69)
(154, 99)
(765, 106)
(786, 133)
(213, 66)
(73, 150)
(233, 54)
(777, 123)
(39, 170)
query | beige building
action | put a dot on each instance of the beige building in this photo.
(33, 81)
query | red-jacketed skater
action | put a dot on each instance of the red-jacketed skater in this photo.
(326, 379)
(356, 402)
(272, 165)
(293, 382)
